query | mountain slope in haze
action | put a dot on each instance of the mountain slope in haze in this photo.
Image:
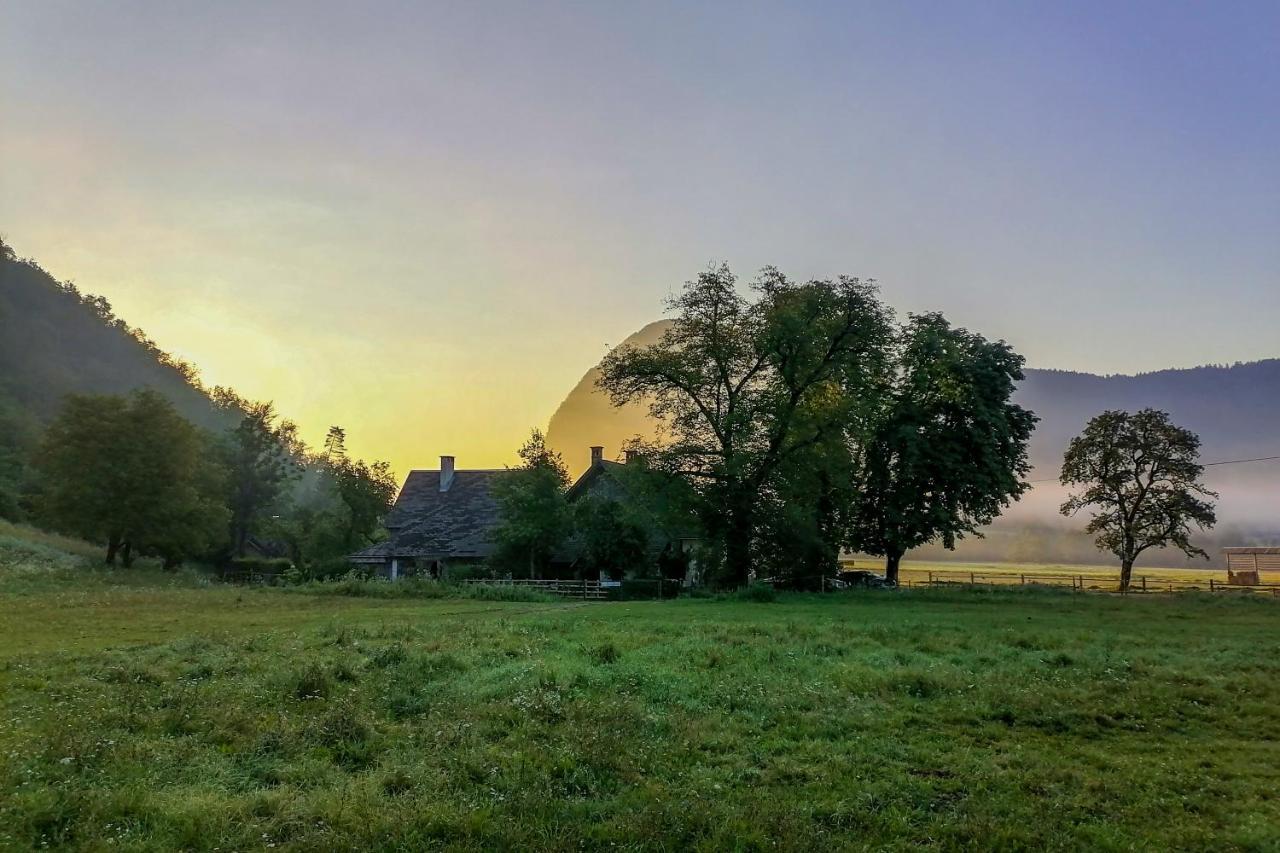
(1235, 410)
(56, 341)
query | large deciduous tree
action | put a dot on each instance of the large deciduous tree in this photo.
(1141, 477)
(742, 387)
(949, 448)
(131, 472)
(534, 517)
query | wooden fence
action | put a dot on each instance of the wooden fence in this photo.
(1084, 583)
(585, 590)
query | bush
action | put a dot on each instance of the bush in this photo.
(328, 569)
(268, 566)
(758, 592)
(356, 586)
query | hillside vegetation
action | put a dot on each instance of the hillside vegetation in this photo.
(55, 341)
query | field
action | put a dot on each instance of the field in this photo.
(1057, 574)
(145, 711)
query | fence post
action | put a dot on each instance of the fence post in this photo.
(1024, 580)
(972, 582)
(1144, 583)
(930, 578)
(1210, 584)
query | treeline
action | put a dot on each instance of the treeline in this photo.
(805, 420)
(133, 474)
(176, 471)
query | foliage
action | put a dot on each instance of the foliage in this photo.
(948, 450)
(261, 458)
(744, 387)
(357, 586)
(133, 473)
(256, 717)
(1141, 477)
(608, 538)
(18, 438)
(367, 492)
(534, 518)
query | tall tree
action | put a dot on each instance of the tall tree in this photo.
(609, 537)
(261, 456)
(133, 473)
(1141, 477)
(743, 387)
(335, 443)
(533, 515)
(367, 492)
(949, 449)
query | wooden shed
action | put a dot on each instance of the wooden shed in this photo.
(1244, 565)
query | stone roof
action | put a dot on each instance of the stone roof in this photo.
(426, 522)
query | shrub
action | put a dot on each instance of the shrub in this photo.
(757, 592)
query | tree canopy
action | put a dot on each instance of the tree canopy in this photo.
(133, 473)
(534, 518)
(1140, 475)
(742, 387)
(948, 449)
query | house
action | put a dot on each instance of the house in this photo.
(440, 518)
(448, 517)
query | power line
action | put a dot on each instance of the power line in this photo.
(1206, 465)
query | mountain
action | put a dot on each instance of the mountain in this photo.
(1234, 409)
(56, 341)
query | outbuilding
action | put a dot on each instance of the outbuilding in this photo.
(1245, 565)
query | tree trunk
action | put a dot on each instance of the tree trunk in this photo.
(126, 554)
(891, 562)
(113, 545)
(737, 548)
(1126, 574)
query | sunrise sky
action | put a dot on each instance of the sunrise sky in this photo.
(426, 223)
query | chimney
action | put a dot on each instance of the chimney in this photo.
(446, 473)
(597, 453)
(633, 456)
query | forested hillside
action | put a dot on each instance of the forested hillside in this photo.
(54, 341)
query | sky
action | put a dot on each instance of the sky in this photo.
(424, 223)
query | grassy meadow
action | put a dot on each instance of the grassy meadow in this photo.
(140, 710)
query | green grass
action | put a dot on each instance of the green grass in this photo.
(155, 712)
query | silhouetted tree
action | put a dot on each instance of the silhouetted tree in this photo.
(367, 492)
(533, 515)
(1141, 477)
(743, 388)
(949, 449)
(335, 443)
(261, 457)
(608, 538)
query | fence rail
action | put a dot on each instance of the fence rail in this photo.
(1081, 582)
(587, 590)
